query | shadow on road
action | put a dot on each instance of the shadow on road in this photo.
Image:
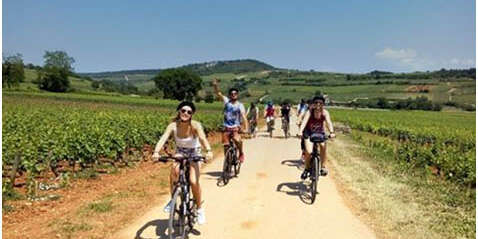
(217, 175)
(293, 163)
(299, 189)
(161, 229)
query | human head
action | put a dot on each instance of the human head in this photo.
(233, 94)
(319, 101)
(185, 111)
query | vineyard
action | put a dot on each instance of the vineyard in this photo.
(443, 141)
(46, 134)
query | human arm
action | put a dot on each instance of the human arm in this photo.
(244, 118)
(329, 124)
(303, 123)
(300, 117)
(203, 139)
(216, 89)
(257, 113)
(164, 138)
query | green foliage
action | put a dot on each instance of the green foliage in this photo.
(442, 140)
(178, 84)
(209, 98)
(53, 79)
(58, 59)
(46, 132)
(419, 103)
(12, 70)
(235, 66)
(101, 206)
(123, 86)
(9, 193)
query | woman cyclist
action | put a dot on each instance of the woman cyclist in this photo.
(313, 123)
(188, 136)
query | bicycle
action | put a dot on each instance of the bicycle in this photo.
(316, 163)
(285, 127)
(231, 161)
(252, 127)
(270, 125)
(183, 213)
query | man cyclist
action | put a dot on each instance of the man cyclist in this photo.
(313, 123)
(234, 115)
(301, 107)
(253, 117)
(285, 113)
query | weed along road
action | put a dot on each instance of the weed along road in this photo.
(265, 201)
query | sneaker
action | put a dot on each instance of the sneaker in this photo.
(241, 158)
(167, 208)
(304, 174)
(324, 172)
(201, 216)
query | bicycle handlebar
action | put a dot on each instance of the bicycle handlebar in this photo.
(179, 159)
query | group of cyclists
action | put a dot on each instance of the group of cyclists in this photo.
(189, 135)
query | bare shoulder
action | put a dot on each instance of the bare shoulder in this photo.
(196, 124)
(172, 125)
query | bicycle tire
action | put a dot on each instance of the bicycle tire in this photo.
(237, 166)
(314, 178)
(177, 219)
(226, 168)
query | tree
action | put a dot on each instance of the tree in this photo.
(178, 84)
(95, 85)
(59, 59)
(13, 71)
(209, 98)
(53, 79)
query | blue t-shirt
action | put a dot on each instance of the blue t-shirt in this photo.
(232, 113)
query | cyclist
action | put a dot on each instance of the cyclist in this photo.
(234, 115)
(313, 123)
(301, 107)
(269, 113)
(253, 117)
(285, 113)
(188, 136)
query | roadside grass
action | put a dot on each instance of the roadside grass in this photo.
(397, 200)
(67, 228)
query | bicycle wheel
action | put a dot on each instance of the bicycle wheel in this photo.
(237, 165)
(177, 218)
(226, 167)
(314, 177)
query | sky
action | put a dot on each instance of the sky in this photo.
(335, 36)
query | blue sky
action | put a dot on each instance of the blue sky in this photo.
(339, 36)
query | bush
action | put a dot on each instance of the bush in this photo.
(209, 98)
(53, 79)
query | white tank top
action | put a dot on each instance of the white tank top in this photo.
(189, 142)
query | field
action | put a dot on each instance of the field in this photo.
(443, 141)
(280, 86)
(55, 132)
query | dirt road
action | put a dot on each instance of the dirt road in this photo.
(264, 201)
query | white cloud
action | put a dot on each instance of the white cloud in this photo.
(457, 62)
(400, 54)
(409, 59)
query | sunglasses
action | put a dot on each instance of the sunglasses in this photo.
(185, 111)
(319, 102)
